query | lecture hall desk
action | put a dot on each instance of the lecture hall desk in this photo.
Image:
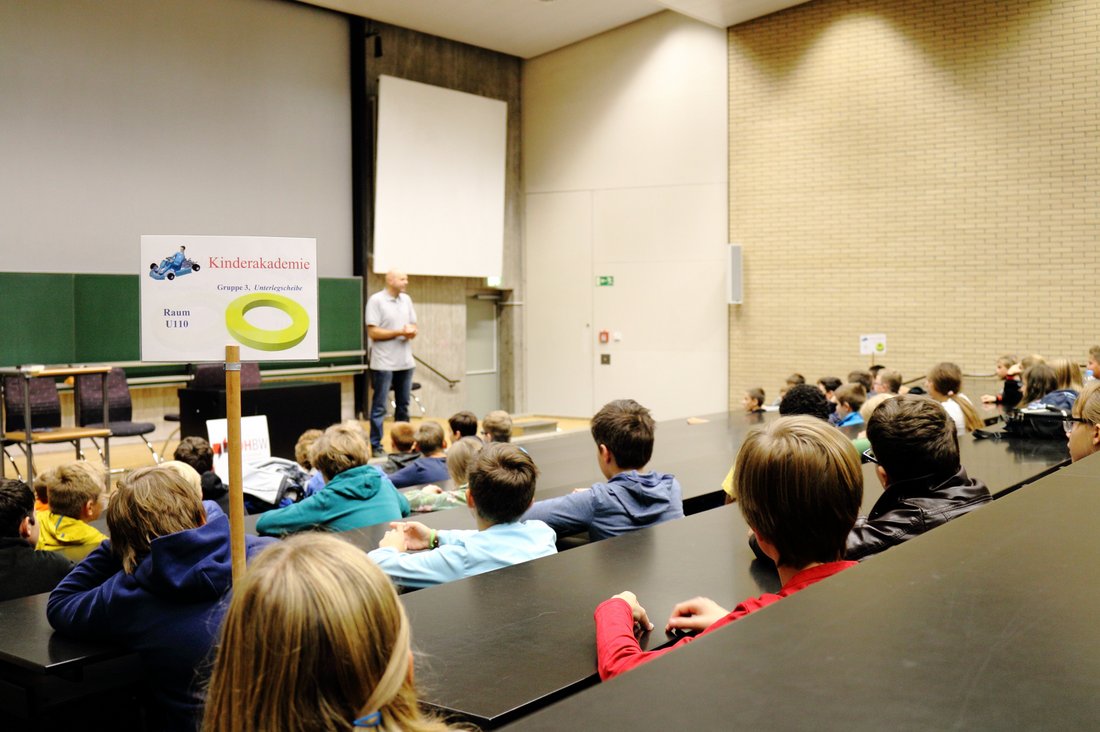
(985, 623)
(543, 607)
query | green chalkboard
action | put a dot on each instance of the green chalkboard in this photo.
(94, 318)
(36, 318)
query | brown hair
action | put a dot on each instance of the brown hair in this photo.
(1087, 405)
(756, 394)
(304, 446)
(851, 394)
(796, 379)
(429, 438)
(319, 599)
(946, 378)
(1039, 380)
(799, 485)
(1095, 353)
(402, 435)
(1067, 374)
(339, 448)
(459, 458)
(42, 483)
(891, 380)
(861, 377)
(1006, 360)
(196, 452)
(498, 425)
(626, 428)
(502, 482)
(912, 436)
(73, 486)
(147, 504)
(463, 424)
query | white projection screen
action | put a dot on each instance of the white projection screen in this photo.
(439, 200)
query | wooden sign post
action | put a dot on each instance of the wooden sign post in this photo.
(236, 485)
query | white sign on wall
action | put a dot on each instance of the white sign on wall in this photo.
(255, 442)
(202, 293)
(872, 344)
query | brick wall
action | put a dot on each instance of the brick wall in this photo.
(929, 169)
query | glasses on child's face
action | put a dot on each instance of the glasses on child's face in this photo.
(1070, 422)
(869, 457)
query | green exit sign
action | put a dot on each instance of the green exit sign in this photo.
(605, 281)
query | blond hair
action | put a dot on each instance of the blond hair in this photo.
(799, 485)
(304, 446)
(460, 456)
(1067, 374)
(319, 599)
(147, 504)
(186, 472)
(72, 486)
(498, 425)
(869, 405)
(341, 447)
(1087, 405)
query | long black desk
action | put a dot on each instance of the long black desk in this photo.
(496, 645)
(984, 623)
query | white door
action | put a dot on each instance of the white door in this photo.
(482, 364)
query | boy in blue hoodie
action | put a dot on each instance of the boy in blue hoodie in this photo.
(155, 587)
(630, 499)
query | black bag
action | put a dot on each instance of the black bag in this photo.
(1043, 423)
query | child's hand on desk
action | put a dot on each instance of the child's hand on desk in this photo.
(433, 490)
(641, 620)
(697, 614)
(413, 536)
(395, 539)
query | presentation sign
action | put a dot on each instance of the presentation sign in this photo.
(202, 293)
(872, 344)
(255, 443)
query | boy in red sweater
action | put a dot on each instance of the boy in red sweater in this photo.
(799, 485)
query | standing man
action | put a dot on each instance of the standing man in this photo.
(391, 326)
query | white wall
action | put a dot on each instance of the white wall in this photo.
(625, 167)
(127, 117)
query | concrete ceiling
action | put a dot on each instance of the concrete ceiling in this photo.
(529, 28)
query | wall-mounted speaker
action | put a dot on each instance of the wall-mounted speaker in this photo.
(734, 275)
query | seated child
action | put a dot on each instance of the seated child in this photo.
(630, 499)
(42, 490)
(403, 441)
(915, 449)
(497, 426)
(303, 450)
(319, 601)
(155, 588)
(189, 474)
(196, 452)
(355, 494)
(887, 382)
(944, 384)
(1092, 367)
(753, 401)
(463, 424)
(1041, 389)
(1083, 430)
(849, 399)
(502, 484)
(431, 465)
(460, 456)
(863, 378)
(77, 495)
(828, 386)
(794, 379)
(805, 399)
(23, 570)
(799, 486)
(1004, 363)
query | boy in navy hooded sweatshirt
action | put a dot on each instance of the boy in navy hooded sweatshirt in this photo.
(159, 596)
(630, 499)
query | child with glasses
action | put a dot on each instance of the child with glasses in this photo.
(1083, 428)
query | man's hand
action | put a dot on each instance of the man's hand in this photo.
(409, 331)
(696, 614)
(641, 620)
(415, 535)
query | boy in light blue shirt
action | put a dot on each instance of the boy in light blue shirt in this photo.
(502, 486)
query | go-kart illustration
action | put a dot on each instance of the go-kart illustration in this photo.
(172, 267)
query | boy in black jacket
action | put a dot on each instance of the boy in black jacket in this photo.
(24, 571)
